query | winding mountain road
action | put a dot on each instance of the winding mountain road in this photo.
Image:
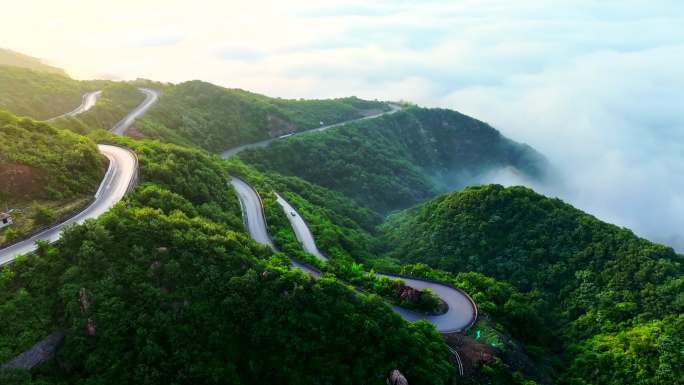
(87, 102)
(121, 172)
(263, 143)
(462, 311)
(253, 216)
(151, 97)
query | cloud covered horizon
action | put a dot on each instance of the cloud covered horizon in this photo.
(596, 86)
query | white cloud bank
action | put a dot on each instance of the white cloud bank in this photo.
(596, 85)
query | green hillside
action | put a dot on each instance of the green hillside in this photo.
(45, 172)
(168, 288)
(40, 95)
(398, 160)
(215, 118)
(43, 95)
(16, 59)
(613, 301)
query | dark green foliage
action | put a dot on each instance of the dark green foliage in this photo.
(649, 353)
(61, 163)
(173, 294)
(216, 118)
(609, 292)
(200, 305)
(398, 160)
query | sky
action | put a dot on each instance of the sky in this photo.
(596, 86)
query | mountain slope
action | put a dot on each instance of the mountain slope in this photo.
(45, 172)
(11, 58)
(170, 280)
(605, 289)
(40, 95)
(397, 161)
(216, 118)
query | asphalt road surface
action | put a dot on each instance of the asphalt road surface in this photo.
(460, 315)
(252, 212)
(121, 172)
(88, 101)
(301, 230)
(151, 97)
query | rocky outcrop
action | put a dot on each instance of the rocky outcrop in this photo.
(396, 378)
(41, 352)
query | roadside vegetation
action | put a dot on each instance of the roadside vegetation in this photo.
(173, 269)
(116, 101)
(46, 174)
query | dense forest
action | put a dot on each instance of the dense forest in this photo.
(613, 301)
(216, 118)
(167, 287)
(398, 160)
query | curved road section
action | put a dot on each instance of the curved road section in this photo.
(151, 97)
(232, 151)
(88, 101)
(252, 213)
(120, 174)
(301, 230)
(462, 311)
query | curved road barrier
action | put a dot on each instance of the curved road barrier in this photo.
(232, 151)
(88, 101)
(462, 311)
(120, 174)
(151, 97)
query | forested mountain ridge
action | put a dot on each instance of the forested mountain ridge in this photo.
(169, 280)
(216, 118)
(399, 160)
(616, 299)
